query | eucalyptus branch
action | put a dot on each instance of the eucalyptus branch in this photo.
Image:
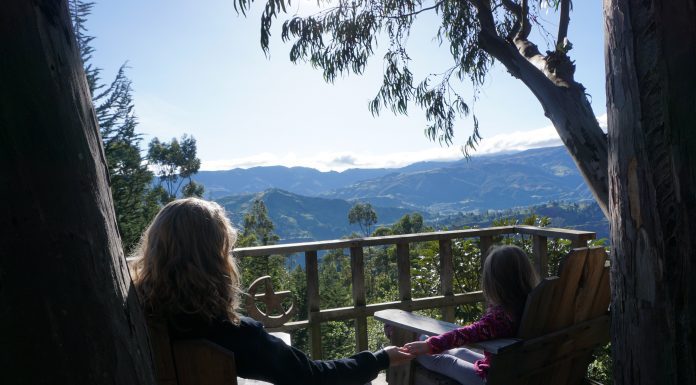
(564, 20)
(414, 13)
(522, 25)
(528, 49)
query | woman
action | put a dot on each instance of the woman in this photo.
(185, 274)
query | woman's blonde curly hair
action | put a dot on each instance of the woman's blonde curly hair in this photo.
(184, 263)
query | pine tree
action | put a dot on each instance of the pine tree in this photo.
(258, 231)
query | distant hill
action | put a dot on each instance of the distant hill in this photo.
(484, 182)
(307, 204)
(300, 218)
(298, 180)
(583, 215)
(487, 182)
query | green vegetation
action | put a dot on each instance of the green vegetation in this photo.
(364, 215)
(175, 162)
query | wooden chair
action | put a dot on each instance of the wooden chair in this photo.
(201, 362)
(564, 320)
(189, 362)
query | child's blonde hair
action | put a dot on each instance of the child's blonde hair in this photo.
(185, 264)
(507, 279)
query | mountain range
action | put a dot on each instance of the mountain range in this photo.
(308, 204)
(480, 183)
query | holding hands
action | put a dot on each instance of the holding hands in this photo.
(401, 355)
(417, 348)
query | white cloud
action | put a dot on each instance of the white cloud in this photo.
(339, 161)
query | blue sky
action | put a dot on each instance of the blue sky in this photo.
(199, 69)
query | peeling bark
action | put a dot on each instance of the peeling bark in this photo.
(68, 310)
(651, 106)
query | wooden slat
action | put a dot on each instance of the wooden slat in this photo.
(447, 277)
(313, 305)
(357, 267)
(540, 250)
(591, 286)
(403, 267)
(564, 299)
(603, 296)
(162, 352)
(203, 362)
(537, 308)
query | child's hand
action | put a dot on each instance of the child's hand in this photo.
(398, 356)
(417, 348)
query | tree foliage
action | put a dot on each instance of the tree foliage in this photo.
(175, 162)
(364, 215)
(257, 230)
(341, 38)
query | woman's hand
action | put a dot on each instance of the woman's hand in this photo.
(398, 356)
(417, 348)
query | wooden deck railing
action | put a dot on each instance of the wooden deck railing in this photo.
(361, 310)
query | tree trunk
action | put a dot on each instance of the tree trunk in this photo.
(651, 105)
(68, 311)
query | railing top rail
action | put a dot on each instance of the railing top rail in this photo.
(409, 238)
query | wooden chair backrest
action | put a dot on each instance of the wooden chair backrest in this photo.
(189, 362)
(564, 319)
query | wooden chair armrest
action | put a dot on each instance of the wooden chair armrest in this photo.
(497, 346)
(428, 326)
(414, 322)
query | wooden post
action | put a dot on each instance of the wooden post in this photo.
(447, 276)
(581, 241)
(312, 271)
(540, 250)
(485, 243)
(403, 265)
(357, 268)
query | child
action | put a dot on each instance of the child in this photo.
(508, 276)
(185, 275)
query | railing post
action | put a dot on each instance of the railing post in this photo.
(403, 266)
(581, 241)
(447, 277)
(485, 243)
(540, 250)
(312, 271)
(357, 268)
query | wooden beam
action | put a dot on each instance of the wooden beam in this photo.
(447, 277)
(313, 305)
(357, 267)
(541, 258)
(403, 267)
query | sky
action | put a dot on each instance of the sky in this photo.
(198, 68)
